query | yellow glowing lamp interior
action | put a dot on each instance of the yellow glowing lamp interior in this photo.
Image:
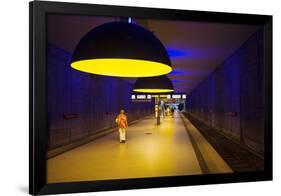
(153, 90)
(122, 67)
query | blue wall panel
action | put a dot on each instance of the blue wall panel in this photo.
(231, 98)
(95, 100)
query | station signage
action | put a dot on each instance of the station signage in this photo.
(148, 97)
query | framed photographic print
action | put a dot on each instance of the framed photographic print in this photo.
(131, 97)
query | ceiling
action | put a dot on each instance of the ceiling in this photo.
(195, 48)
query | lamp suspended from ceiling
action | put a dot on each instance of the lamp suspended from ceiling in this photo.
(121, 49)
(158, 84)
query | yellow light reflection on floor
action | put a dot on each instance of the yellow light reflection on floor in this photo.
(150, 151)
(166, 151)
(153, 90)
(122, 67)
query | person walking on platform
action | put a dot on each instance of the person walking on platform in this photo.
(172, 111)
(122, 123)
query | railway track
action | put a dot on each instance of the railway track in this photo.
(237, 156)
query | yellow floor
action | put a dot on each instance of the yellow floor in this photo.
(167, 151)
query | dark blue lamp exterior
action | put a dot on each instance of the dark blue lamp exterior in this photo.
(121, 40)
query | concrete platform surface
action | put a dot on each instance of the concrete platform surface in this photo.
(150, 151)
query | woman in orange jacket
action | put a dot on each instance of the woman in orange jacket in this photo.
(122, 123)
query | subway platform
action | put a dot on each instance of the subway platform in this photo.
(173, 148)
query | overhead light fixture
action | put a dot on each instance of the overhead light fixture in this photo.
(158, 84)
(121, 49)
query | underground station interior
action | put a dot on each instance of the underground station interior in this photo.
(192, 93)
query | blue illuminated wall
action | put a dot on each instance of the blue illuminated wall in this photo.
(231, 98)
(80, 104)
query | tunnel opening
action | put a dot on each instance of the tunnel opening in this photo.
(210, 121)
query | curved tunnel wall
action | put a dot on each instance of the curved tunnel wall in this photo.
(80, 104)
(231, 98)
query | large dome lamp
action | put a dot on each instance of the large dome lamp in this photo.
(158, 84)
(121, 49)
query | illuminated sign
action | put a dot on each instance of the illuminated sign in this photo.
(176, 96)
(141, 97)
(148, 97)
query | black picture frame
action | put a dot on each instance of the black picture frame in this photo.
(38, 97)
